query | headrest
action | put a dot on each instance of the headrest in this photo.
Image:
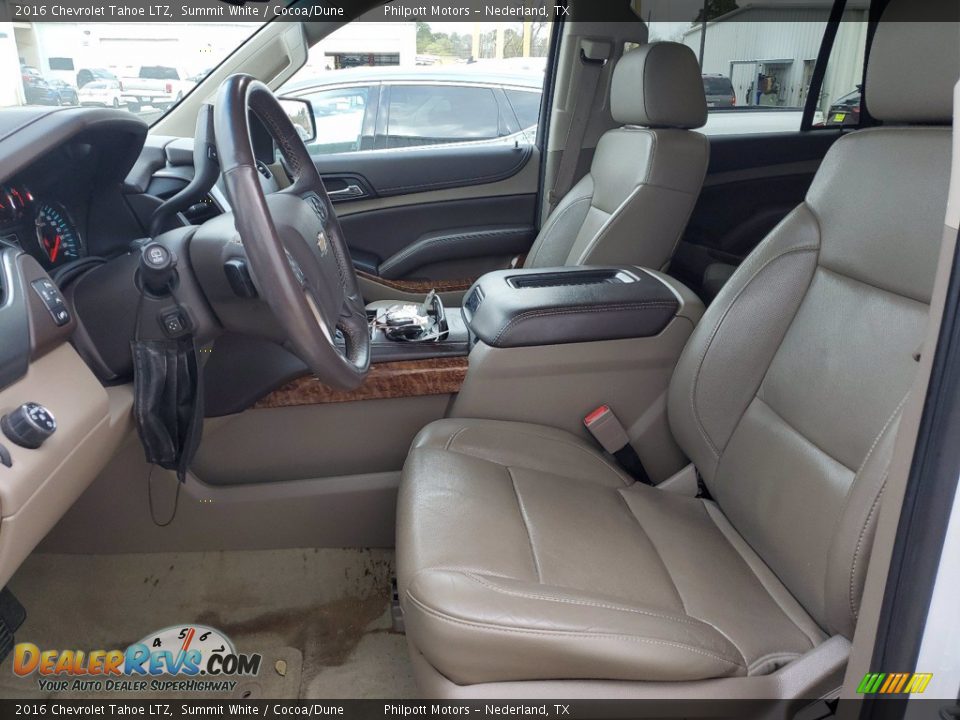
(913, 67)
(660, 86)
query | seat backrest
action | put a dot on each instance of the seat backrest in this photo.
(634, 203)
(788, 396)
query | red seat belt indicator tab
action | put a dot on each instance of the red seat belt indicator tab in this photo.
(606, 428)
(596, 415)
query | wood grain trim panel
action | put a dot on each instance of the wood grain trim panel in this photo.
(406, 378)
(419, 286)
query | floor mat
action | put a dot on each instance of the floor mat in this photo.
(320, 618)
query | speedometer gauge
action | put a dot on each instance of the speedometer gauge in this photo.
(57, 236)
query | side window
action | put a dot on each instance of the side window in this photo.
(340, 114)
(758, 63)
(420, 115)
(526, 106)
(415, 83)
(841, 96)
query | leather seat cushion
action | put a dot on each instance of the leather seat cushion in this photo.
(523, 553)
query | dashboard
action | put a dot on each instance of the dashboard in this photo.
(79, 189)
(62, 199)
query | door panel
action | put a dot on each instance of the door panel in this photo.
(401, 242)
(405, 171)
(460, 141)
(753, 182)
(442, 213)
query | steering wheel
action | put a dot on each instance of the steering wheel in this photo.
(293, 241)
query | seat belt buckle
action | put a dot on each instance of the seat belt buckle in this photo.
(607, 430)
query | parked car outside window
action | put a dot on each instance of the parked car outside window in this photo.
(846, 110)
(105, 93)
(391, 108)
(36, 90)
(420, 115)
(719, 91)
(88, 75)
(66, 93)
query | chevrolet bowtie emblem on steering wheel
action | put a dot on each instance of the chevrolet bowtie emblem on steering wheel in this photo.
(322, 242)
(318, 208)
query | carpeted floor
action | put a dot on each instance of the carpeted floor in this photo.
(320, 618)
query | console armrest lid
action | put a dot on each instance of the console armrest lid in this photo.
(551, 306)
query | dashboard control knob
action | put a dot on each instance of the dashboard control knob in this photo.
(29, 425)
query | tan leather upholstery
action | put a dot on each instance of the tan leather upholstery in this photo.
(672, 89)
(914, 86)
(634, 203)
(574, 571)
(523, 554)
(788, 393)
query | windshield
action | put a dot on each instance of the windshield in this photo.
(152, 65)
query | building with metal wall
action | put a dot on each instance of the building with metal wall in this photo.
(769, 51)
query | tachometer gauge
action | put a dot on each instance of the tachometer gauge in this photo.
(57, 236)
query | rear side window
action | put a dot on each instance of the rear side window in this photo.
(526, 106)
(421, 115)
(757, 62)
(840, 98)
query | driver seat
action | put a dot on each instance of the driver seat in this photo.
(529, 564)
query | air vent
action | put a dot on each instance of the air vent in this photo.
(564, 279)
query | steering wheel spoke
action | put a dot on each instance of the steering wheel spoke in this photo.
(292, 238)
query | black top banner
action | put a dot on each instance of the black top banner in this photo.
(260, 11)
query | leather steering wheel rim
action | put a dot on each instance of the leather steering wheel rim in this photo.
(303, 270)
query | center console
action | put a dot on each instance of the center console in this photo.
(544, 346)
(548, 346)
(527, 308)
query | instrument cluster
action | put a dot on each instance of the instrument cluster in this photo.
(41, 227)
